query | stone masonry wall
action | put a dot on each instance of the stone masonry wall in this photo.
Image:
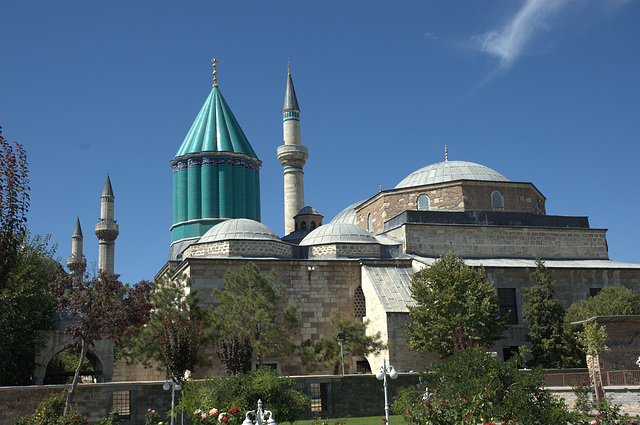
(323, 291)
(506, 242)
(240, 248)
(456, 196)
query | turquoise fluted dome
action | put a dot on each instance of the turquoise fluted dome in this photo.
(215, 129)
(216, 173)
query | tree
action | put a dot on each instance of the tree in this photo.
(14, 204)
(452, 299)
(252, 309)
(552, 345)
(26, 309)
(174, 332)
(102, 307)
(326, 352)
(610, 301)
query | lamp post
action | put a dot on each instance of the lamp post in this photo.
(382, 375)
(259, 414)
(174, 386)
(341, 337)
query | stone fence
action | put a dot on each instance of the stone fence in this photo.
(332, 396)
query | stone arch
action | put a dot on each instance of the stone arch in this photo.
(57, 341)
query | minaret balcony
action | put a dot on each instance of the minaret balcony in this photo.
(293, 155)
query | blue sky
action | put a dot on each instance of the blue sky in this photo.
(542, 91)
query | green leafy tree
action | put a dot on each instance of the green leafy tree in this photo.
(552, 345)
(252, 308)
(326, 352)
(102, 307)
(610, 301)
(174, 332)
(26, 308)
(453, 299)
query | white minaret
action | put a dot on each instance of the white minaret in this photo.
(292, 155)
(77, 257)
(107, 230)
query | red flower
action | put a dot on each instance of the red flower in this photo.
(408, 411)
(384, 421)
(234, 410)
(225, 419)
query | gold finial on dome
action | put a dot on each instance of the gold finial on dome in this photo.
(446, 153)
(214, 62)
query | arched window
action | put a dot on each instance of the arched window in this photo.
(423, 203)
(313, 225)
(303, 225)
(359, 304)
(370, 223)
(497, 201)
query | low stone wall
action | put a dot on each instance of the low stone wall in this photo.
(335, 396)
(628, 397)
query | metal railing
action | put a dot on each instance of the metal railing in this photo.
(609, 378)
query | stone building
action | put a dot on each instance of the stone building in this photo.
(360, 263)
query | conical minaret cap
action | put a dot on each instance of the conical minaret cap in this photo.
(77, 232)
(108, 190)
(290, 100)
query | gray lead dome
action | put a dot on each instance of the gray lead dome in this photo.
(336, 232)
(450, 171)
(239, 228)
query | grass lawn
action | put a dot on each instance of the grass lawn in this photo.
(370, 420)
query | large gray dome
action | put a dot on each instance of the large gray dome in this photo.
(347, 215)
(338, 233)
(239, 228)
(449, 171)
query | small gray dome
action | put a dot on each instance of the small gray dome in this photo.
(239, 228)
(308, 210)
(338, 233)
(449, 171)
(347, 215)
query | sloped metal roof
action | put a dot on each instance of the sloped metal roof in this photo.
(522, 263)
(392, 286)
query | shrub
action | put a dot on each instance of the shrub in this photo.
(49, 412)
(244, 391)
(473, 387)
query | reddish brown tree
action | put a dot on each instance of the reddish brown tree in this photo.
(102, 307)
(14, 203)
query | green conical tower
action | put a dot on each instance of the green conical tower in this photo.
(216, 173)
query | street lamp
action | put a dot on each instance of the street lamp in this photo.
(341, 337)
(382, 374)
(259, 415)
(174, 386)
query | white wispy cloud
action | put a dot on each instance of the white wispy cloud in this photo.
(508, 43)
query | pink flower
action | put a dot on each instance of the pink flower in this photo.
(593, 422)
(408, 411)
(204, 415)
(225, 419)
(213, 412)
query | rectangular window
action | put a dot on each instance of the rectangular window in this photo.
(122, 402)
(508, 352)
(318, 393)
(362, 366)
(508, 305)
